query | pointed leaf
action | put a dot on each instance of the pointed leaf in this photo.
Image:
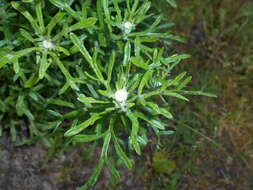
(172, 3)
(134, 131)
(200, 93)
(152, 122)
(78, 128)
(127, 53)
(60, 102)
(113, 171)
(17, 5)
(86, 138)
(174, 94)
(144, 81)
(85, 23)
(122, 155)
(54, 21)
(90, 100)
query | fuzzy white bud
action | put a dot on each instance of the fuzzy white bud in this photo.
(9, 56)
(121, 95)
(127, 27)
(47, 44)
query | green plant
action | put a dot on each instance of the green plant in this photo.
(120, 80)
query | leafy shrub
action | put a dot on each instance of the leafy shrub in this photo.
(90, 70)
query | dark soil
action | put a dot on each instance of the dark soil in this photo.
(24, 168)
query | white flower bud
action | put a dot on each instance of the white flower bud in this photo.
(127, 27)
(121, 95)
(9, 56)
(47, 44)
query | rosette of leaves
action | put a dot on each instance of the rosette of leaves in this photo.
(123, 102)
(46, 41)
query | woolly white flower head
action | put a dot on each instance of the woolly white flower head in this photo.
(121, 95)
(9, 56)
(127, 27)
(47, 44)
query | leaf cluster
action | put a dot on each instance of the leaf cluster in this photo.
(63, 64)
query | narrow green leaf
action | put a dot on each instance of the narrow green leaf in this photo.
(200, 93)
(28, 114)
(107, 140)
(56, 19)
(184, 83)
(78, 43)
(116, 7)
(38, 10)
(152, 105)
(91, 77)
(121, 153)
(110, 67)
(86, 138)
(16, 66)
(44, 64)
(166, 113)
(54, 113)
(72, 114)
(64, 88)
(106, 9)
(60, 102)
(63, 50)
(90, 100)
(26, 35)
(127, 53)
(26, 51)
(78, 128)
(178, 78)
(92, 90)
(69, 78)
(100, 14)
(134, 82)
(113, 171)
(85, 23)
(138, 61)
(59, 3)
(4, 60)
(165, 85)
(144, 81)
(142, 11)
(159, 110)
(102, 160)
(176, 58)
(172, 3)
(34, 79)
(16, 55)
(134, 7)
(137, 47)
(166, 132)
(20, 106)
(134, 131)
(152, 122)
(17, 5)
(174, 94)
